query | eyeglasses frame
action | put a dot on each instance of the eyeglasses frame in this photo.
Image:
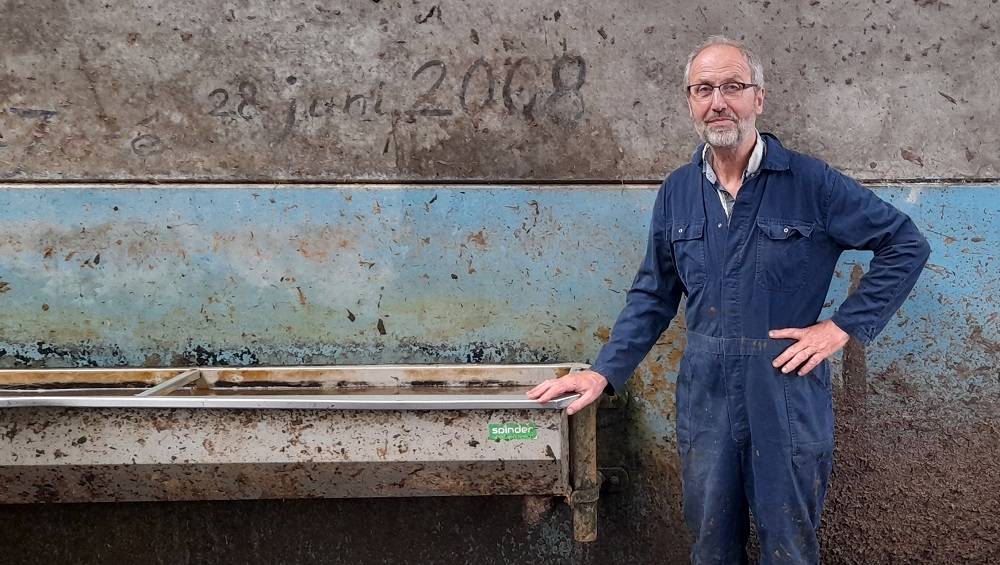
(743, 87)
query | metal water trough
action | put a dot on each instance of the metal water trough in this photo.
(90, 435)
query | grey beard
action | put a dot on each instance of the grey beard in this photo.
(726, 138)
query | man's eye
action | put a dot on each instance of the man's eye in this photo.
(703, 89)
(730, 88)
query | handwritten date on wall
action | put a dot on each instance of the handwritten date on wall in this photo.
(520, 88)
(533, 91)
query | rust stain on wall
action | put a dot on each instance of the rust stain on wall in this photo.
(855, 364)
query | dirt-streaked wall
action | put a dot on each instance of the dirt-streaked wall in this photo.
(552, 125)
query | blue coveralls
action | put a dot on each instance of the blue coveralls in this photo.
(748, 435)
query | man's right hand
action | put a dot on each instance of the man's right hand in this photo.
(589, 384)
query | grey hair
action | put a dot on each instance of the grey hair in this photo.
(756, 68)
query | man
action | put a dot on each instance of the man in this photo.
(751, 232)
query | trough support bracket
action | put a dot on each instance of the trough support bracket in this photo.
(585, 478)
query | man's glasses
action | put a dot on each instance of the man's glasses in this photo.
(729, 90)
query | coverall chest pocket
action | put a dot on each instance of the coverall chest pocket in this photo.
(783, 254)
(687, 242)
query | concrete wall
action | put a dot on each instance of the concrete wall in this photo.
(404, 268)
(418, 90)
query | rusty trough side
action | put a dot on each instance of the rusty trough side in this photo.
(102, 455)
(184, 439)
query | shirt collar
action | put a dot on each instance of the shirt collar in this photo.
(753, 165)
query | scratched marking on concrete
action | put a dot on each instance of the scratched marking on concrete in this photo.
(518, 90)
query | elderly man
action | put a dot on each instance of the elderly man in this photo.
(751, 233)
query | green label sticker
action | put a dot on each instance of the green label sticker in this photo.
(512, 431)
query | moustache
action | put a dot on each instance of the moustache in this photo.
(718, 115)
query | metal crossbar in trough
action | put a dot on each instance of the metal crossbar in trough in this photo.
(86, 435)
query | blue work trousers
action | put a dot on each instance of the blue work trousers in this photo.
(752, 438)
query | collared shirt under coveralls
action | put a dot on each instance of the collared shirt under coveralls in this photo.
(748, 435)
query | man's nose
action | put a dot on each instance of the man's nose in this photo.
(718, 102)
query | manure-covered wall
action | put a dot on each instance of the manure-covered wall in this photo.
(245, 183)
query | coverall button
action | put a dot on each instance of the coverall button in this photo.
(720, 224)
(786, 230)
(681, 230)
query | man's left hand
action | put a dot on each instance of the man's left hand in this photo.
(812, 346)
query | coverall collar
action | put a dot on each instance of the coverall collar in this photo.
(775, 155)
